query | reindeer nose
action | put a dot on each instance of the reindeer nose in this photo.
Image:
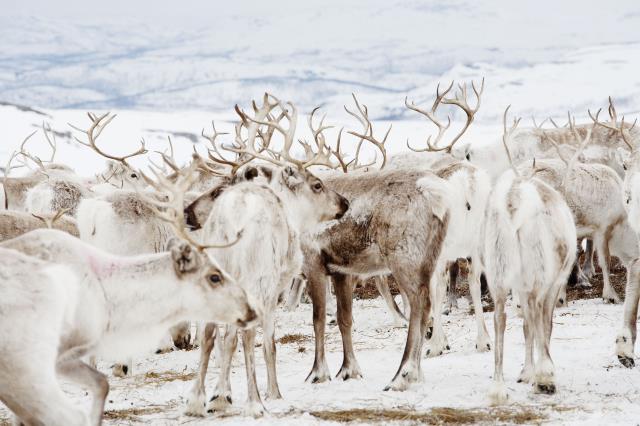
(251, 315)
(344, 206)
(249, 319)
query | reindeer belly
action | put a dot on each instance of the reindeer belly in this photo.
(123, 344)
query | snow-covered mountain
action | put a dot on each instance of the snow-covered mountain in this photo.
(543, 57)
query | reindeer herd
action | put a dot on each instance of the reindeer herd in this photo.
(122, 264)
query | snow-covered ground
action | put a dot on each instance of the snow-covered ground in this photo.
(593, 388)
(170, 70)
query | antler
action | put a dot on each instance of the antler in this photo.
(460, 100)
(50, 221)
(171, 209)
(506, 134)
(246, 149)
(51, 140)
(98, 123)
(322, 157)
(613, 125)
(367, 134)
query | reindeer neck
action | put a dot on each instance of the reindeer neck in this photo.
(143, 290)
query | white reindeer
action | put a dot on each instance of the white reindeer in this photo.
(594, 194)
(626, 338)
(95, 303)
(529, 240)
(273, 215)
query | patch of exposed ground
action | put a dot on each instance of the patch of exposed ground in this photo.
(516, 414)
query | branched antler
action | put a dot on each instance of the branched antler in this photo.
(50, 221)
(613, 125)
(506, 135)
(168, 203)
(460, 100)
(98, 124)
(362, 115)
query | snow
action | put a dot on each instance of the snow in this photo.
(171, 69)
(593, 388)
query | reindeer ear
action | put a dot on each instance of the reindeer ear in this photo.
(185, 258)
(292, 178)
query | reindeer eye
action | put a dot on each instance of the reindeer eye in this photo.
(317, 187)
(214, 278)
(624, 166)
(468, 157)
(134, 176)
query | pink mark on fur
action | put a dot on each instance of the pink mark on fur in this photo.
(101, 269)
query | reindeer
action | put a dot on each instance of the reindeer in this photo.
(273, 215)
(594, 194)
(396, 223)
(529, 238)
(131, 302)
(471, 187)
(15, 189)
(626, 338)
(15, 223)
(606, 148)
(67, 192)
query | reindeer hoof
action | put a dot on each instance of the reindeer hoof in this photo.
(228, 398)
(429, 333)
(546, 389)
(626, 361)
(318, 377)
(183, 344)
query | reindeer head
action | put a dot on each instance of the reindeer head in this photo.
(215, 288)
(314, 202)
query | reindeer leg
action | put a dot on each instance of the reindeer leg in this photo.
(181, 335)
(498, 393)
(528, 327)
(255, 407)
(437, 342)
(269, 350)
(221, 399)
(318, 292)
(122, 370)
(295, 294)
(82, 374)
(197, 402)
(626, 339)
(602, 246)
(452, 288)
(587, 267)
(36, 397)
(409, 370)
(483, 341)
(382, 284)
(344, 297)
(332, 305)
(544, 370)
